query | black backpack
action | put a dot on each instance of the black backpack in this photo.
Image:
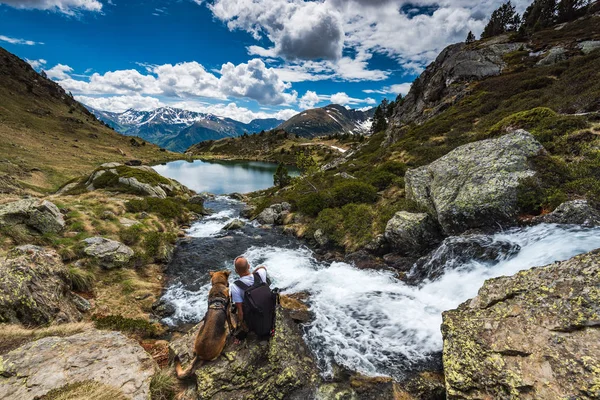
(258, 306)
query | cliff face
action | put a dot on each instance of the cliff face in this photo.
(446, 79)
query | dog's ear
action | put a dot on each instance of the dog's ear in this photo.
(211, 273)
(227, 273)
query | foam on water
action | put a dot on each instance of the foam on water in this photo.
(369, 321)
(212, 224)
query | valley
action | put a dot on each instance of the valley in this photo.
(440, 246)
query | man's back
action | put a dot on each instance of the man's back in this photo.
(237, 294)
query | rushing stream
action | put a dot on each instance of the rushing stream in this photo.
(365, 320)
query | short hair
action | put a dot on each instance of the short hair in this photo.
(241, 264)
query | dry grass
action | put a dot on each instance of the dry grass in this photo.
(86, 390)
(13, 336)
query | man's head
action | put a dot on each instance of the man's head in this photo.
(241, 266)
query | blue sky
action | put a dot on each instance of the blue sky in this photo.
(237, 58)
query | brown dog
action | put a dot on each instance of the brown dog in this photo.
(212, 335)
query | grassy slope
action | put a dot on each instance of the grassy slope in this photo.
(512, 100)
(47, 137)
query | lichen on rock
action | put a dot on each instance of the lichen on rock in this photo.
(475, 185)
(276, 369)
(534, 335)
(34, 288)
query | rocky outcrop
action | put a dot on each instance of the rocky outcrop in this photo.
(142, 180)
(439, 86)
(535, 335)
(554, 55)
(41, 216)
(412, 233)
(475, 185)
(576, 212)
(110, 358)
(274, 215)
(589, 45)
(109, 253)
(34, 288)
(279, 368)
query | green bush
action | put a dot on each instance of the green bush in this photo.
(331, 222)
(312, 204)
(530, 196)
(393, 167)
(353, 191)
(358, 223)
(167, 208)
(131, 235)
(381, 179)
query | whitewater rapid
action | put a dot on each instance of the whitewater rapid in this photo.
(367, 320)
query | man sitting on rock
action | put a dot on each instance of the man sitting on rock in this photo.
(254, 301)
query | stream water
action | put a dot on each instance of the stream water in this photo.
(365, 320)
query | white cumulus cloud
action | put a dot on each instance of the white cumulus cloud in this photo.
(59, 71)
(36, 64)
(69, 7)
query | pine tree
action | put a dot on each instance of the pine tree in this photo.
(539, 15)
(504, 19)
(568, 10)
(281, 178)
(470, 38)
(379, 121)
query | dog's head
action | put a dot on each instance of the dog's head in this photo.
(220, 277)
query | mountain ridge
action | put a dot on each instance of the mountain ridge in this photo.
(177, 129)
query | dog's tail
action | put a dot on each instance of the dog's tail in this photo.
(183, 374)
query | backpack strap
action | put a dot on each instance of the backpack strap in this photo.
(257, 279)
(241, 285)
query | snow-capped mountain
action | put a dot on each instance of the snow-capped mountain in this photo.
(177, 129)
(329, 120)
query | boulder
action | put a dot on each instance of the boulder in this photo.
(32, 370)
(110, 253)
(234, 225)
(589, 45)
(163, 308)
(275, 214)
(279, 368)
(198, 199)
(411, 234)
(321, 238)
(459, 251)
(554, 55)
(35, 289)
(238, 196)
(475, 185)
(247, 212)
(267, 217)
(530, 336)
(39, 215)
(576, 212)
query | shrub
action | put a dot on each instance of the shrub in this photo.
(381, 179)
(353, 191)
(394, 167)
(162, 386)
(167, 208)
(131, 235)
(312, 203)
(331, 222)
(80, 280)
(358, 221)
(530, 196)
